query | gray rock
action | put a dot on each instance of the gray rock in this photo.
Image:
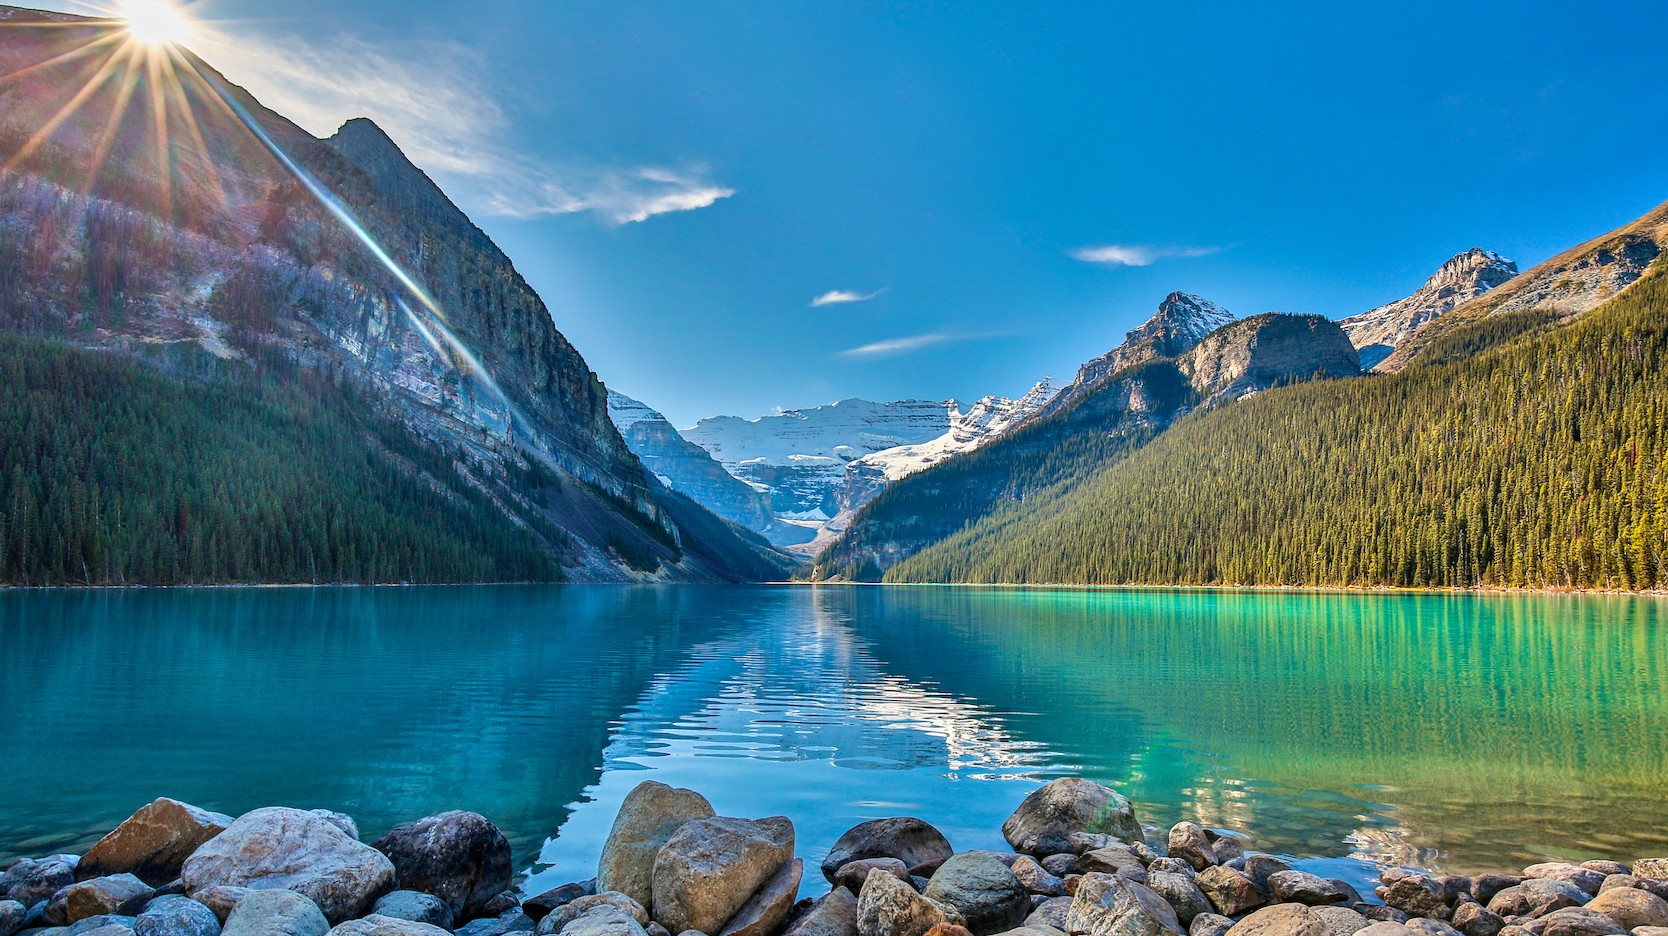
(32, 880)
(108, 929)
(1044, 822)
(1426, 927)
(1188, 842)
(1060, 865)
(1340, 921)
(1473, 919)
(1172, 866)
(1534, 895)
(378, 925)
(295, 850)
(764, 912)
(152, 843)
(1281, 920)
(573, 910)
(173, 915)
(1384, 928)
(1051, 912)
(341, 821)
(514, 921)
(832, 915)
(1417, 895)
(1379, 913)
(1210, 924)
(458, 856)
(1304, 888)
(604, 921)
(1485, 886)
(121, 894)
(912, 841)
(220, 900)
(889, 907)
(506, 901)
(540, 906)
(1584, 878)
(1109, 905)
(415, 906)
(12, 916)
(1631, 907)
(1120, 861)
(1081, 842)
(1231, 892)
(1227, 848)
(1579, 921)
(982, 890)
(1181, 893)
(1607, 868)
(651, 813)
(276, 913)
(852, 874)
(710, 867)
(89, 924)
(1035, 878)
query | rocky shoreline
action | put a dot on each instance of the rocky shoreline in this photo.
(1081, 865)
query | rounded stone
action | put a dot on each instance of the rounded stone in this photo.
(415, 906)
(1281, 920)
(293, 849)
(983, 890)
(1045, 820)
(173, 915)
(276, 913)
(914, 842)
(1631, 907)
(458, 856)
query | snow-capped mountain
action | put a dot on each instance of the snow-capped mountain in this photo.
(1182, 321)
(685, 467)
(1378, 333)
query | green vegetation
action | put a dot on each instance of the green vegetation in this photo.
(113, 471)
(1537, 463)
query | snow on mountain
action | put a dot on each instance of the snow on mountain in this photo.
(1378, 333)
(686, 467)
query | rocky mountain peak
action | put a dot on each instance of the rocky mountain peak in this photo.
(1378, 333)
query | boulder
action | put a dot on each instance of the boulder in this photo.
(514, 921)
(1340, 921)
(276, 913)
(832, 915)
(1231, 892)
(1188, 842)
(889, 907)
(1473, 919)
(108, 929)
(378, 925)
(1379, 913)
(1181, 893)
(1534, 895)
(763, 913)
(1607, 868)
(1259, 868)
(1172, 866)
(1210, 924)
(1304, 888)
(101, 921)
(1281, 920)
(1417, 895)
(457, 856)
(949, 929)
(1584, 878)
(152, 843)
(173, 915)
(983, 890)
(415, 906)
(1631, 907)
(1425, 927)
(1651, 868)
(221, 900)
(604, 921)
(341, 821)
(292, 849)
(1120, 861)
(1485, 886)
(573, 910)
(1109, 905)
(1580, 921)
(1050, 913)
(852, 874)
(651, 813)
(1045, 820)
(1035, 878)
(121, 894)
(1226, 848)
(540, 906)
(13, 914)
(710, 867)
(1060, 865)
(33, 880)
(1384, 928)
(912, 841)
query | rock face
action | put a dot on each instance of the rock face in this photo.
(1044, 822)
(1107, 905)
(687, 468)
(153, 843)
(912, 841)
(1256, 353)
(295, 850)
(889, 907)
(710, 868)
(983, 890)
(651, 814)
(457, 856)
(1381, 331)
(275, 913)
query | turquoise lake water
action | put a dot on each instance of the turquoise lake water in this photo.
(1465, 732)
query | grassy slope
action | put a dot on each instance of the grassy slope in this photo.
(1539, 462)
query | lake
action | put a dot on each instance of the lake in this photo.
(1461, 732)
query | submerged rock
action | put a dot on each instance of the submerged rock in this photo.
(458, 856)
(1044, 822)
(296, 850)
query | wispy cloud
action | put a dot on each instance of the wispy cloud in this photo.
(839, 296)
(1137, 255)
(896, 346)
(430, 99)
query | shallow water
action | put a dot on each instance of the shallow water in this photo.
(1465, 732)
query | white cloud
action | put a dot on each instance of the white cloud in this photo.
(430, 99)
(896, 346)
(839, 296)
(1137, 255)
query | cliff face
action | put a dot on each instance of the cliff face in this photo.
(234, 232)
(1378, 333)
(1257, 353)
(687, 468)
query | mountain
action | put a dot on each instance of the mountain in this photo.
(1558, 291)
(1050, 455)
(819, 464)
(1378, 333)
(1182, 320)
(154, 215)
(687, 468)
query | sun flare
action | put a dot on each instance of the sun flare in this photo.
(155, 22)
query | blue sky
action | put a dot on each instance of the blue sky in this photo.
(963, 163)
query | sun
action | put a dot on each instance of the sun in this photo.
(155, 22)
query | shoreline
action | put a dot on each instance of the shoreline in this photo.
(1079, 863)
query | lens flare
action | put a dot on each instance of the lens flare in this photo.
(155, 22)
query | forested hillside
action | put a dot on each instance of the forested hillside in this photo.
(1521, 456)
